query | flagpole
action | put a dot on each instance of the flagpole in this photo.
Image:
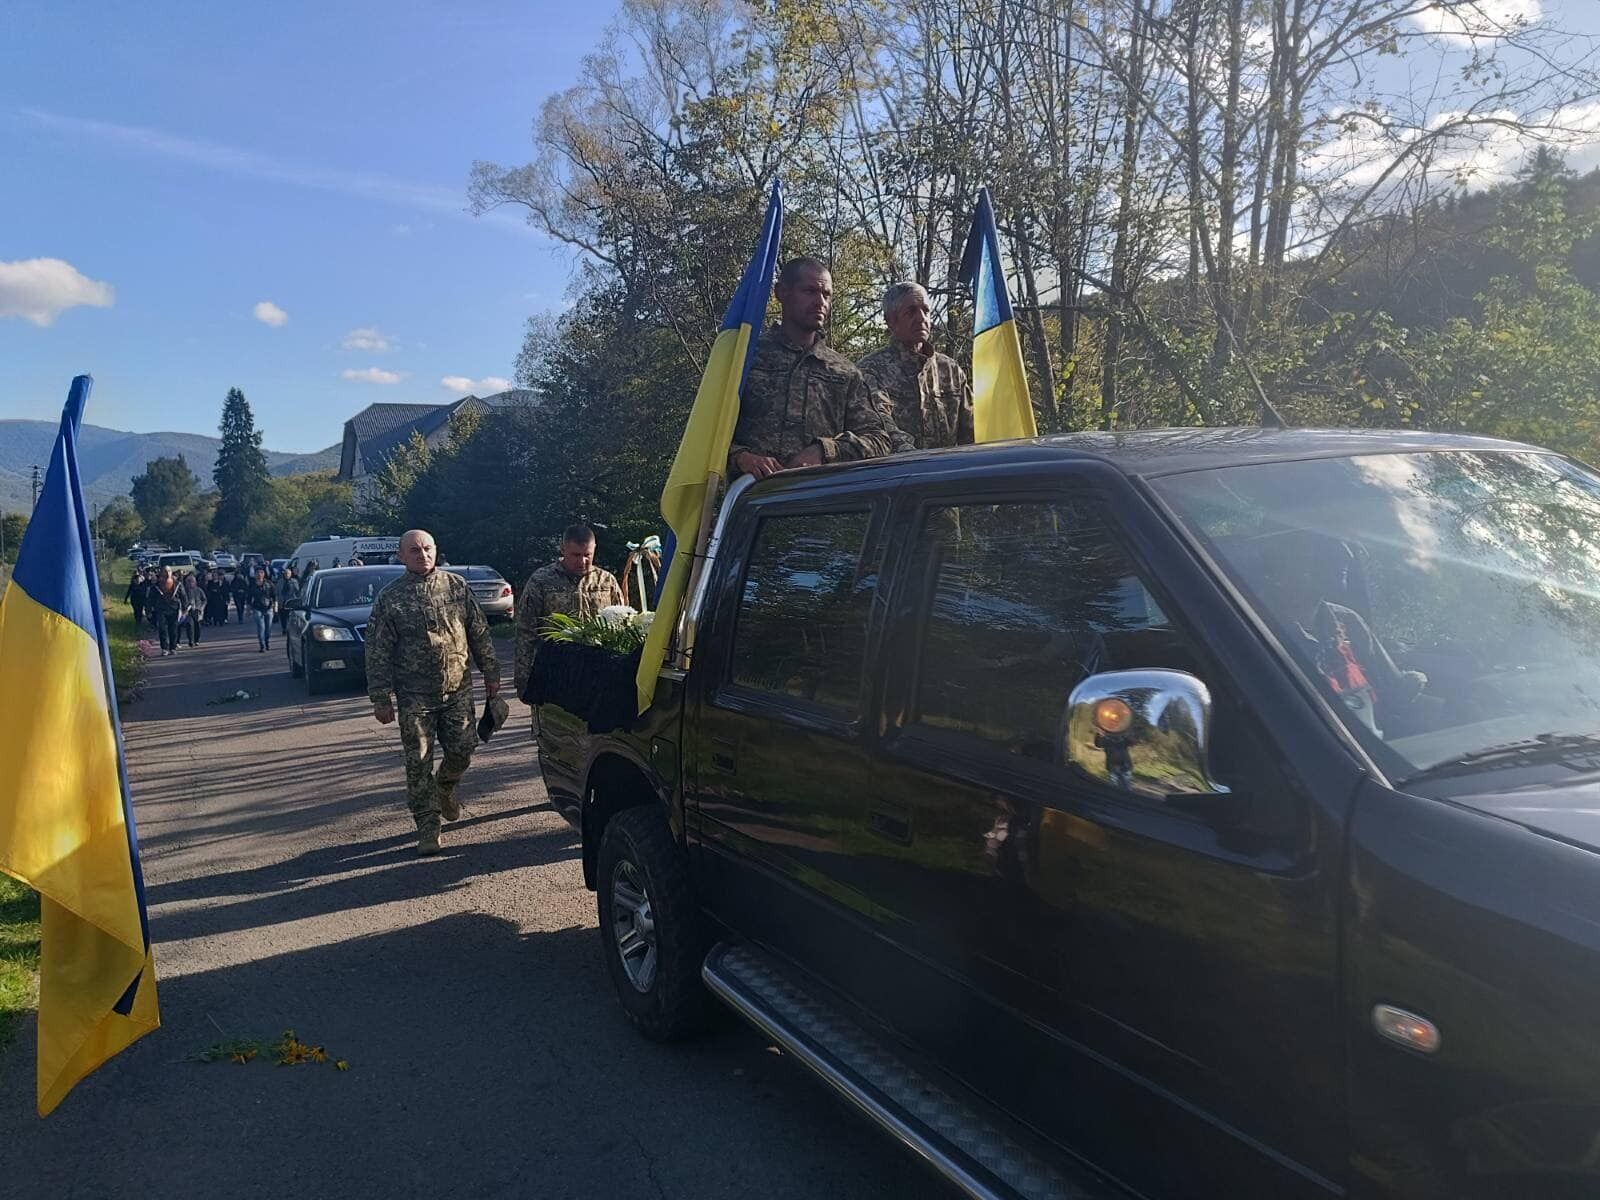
(697, 561)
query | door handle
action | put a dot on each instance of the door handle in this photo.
(722, 756)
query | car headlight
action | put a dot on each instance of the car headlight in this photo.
(333, 633)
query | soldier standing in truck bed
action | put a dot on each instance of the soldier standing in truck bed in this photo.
(804, 403)
(929, 395)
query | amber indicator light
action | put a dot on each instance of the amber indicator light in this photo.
(1113, 716)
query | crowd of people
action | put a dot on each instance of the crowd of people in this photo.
(179, 607)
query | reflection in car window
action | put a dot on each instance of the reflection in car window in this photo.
(1444, 602)
(802, 624)
(1025, 601)
(347, 589)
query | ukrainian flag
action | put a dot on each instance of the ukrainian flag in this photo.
(1000, 405)
(66, 824)
(703, 453)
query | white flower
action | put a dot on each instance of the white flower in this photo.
(617, 615)
(642, 621)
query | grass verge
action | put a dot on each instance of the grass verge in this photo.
(19, 954)
(127, 664)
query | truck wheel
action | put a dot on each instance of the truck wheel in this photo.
(651, 926)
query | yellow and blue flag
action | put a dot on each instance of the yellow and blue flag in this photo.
(66, 823)
(1000, 405)
(703, 452)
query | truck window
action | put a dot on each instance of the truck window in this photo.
(1022, 602)
(801, 630)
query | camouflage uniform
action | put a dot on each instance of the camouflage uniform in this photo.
(930, 397)
(421, 633)
(551, 590)
(794, 397)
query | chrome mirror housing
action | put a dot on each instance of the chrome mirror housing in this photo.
(1143, 732)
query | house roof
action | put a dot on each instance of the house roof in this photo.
(378, 429)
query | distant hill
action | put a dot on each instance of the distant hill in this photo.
(110, 458)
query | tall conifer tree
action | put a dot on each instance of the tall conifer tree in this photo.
(241, 471)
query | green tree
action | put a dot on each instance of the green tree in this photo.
(241, 472)
(162, 490)
(190, 527)
(299, 507)
(12, 527)
(119, 524)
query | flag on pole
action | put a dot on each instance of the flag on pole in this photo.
(1000, 405)
(66, 824)
(691, 489)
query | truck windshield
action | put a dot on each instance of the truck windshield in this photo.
(1446, 603)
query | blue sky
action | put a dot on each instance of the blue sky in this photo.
(195, 163)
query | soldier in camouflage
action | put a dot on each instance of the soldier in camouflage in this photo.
(572, 585)
(424, 628)
(929, 395)
(804, 404)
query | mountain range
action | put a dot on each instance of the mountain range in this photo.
(110, 458)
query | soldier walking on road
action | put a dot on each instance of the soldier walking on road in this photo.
(572, 585)
(804, 403)
(423, 629)
(930, 398)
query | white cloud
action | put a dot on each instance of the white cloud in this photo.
(487, 386)
(371, 375)
(368, 338)
(269, 313)
(1467, 21)
(41, 289)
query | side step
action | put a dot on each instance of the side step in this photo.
(954, 1138)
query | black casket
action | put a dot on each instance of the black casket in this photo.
(591, 682)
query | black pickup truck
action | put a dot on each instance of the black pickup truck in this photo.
(1183, 813)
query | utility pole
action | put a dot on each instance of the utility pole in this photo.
(35, 485)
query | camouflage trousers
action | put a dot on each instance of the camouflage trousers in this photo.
(448, 721)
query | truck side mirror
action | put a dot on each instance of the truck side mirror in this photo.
(1144, 732)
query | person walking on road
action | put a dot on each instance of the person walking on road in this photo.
(166, 602)
(572, 585)
(216, 600)
(261, 596)
(138, 592)
(240, 589)
(288, 592)
(194, 605)
(423, 630)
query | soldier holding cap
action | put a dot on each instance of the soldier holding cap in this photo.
(424, 629)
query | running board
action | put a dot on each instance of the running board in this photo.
(955, 1139)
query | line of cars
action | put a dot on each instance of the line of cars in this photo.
(326, 629)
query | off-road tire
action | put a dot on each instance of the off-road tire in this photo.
(676, 1005)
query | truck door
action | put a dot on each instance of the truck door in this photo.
(1153, 985)
(779, 740)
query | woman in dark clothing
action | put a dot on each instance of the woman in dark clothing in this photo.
(138, 591)
(216, 600)
(166, 602)
(240, 590)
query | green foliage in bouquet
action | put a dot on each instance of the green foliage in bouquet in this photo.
(622, 638)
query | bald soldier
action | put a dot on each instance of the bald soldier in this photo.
(424, 628)
(804, 403)
(929, 396)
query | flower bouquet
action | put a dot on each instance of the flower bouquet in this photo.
(589, 665)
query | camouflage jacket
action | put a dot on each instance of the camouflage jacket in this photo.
(422, 630)
(552, 590)
(794, 397)
(930, 397)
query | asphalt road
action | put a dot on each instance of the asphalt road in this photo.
(467, 992)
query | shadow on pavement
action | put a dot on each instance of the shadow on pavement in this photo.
(483, 1062)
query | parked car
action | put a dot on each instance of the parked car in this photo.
(494, 594)
(1218, 810)
(181, 562)
(223, 561)
(325, 636)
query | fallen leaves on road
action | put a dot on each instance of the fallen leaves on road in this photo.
(287, 1051)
